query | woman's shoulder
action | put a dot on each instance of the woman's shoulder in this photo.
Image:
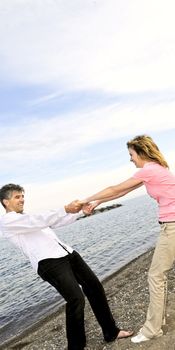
(149, 170)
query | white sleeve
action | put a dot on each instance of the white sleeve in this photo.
(16, 223)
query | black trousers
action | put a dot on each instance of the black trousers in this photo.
(66, 275)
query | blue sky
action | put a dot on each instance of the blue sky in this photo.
(78, 80)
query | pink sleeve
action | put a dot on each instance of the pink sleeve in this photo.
(144, 174)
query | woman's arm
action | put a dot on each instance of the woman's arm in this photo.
(114, 192)
(89, 207)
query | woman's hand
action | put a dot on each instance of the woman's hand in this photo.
(88, 208)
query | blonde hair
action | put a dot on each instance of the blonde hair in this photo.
(146, 148)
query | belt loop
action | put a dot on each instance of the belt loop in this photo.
(166, 222)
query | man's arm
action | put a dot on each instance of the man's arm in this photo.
(16, 223)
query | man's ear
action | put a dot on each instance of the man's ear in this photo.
(5, 202)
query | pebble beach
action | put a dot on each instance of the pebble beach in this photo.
(127, 292)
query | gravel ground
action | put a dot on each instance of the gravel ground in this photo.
(127, 292)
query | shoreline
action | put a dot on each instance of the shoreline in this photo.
(127, 292)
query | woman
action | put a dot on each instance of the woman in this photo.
(160, 184)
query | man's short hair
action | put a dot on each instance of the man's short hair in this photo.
(7, 190)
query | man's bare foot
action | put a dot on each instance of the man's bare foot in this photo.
(124, 334)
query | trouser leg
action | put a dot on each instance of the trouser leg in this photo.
(95, 293)
(162, 261)
(58, 273)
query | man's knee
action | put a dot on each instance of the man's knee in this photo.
(77, 302)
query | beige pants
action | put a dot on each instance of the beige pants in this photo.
(162, 261)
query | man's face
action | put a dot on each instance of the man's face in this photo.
(15, 203)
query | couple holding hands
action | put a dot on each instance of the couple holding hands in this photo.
(63, 268)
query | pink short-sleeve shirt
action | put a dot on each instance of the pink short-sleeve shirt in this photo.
(160, 185)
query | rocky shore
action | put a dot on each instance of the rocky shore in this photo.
(101, 210)
(127, 292)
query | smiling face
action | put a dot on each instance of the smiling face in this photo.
(15, 202)
(136, 159)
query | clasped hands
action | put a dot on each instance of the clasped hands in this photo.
(77, 205)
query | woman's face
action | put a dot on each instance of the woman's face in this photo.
(135, 158)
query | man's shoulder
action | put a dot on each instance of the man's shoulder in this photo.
(8, 216)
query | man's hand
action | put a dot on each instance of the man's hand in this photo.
(73, 207)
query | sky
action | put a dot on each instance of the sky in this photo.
(78, 80)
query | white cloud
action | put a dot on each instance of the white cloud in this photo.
(57, 137)
(111, 45)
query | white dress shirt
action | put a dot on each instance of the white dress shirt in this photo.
(34, 235)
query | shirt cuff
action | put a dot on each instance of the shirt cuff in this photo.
(62, 212)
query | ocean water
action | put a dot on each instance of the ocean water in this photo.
(107, 241)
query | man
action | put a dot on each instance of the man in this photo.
(57, 263)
